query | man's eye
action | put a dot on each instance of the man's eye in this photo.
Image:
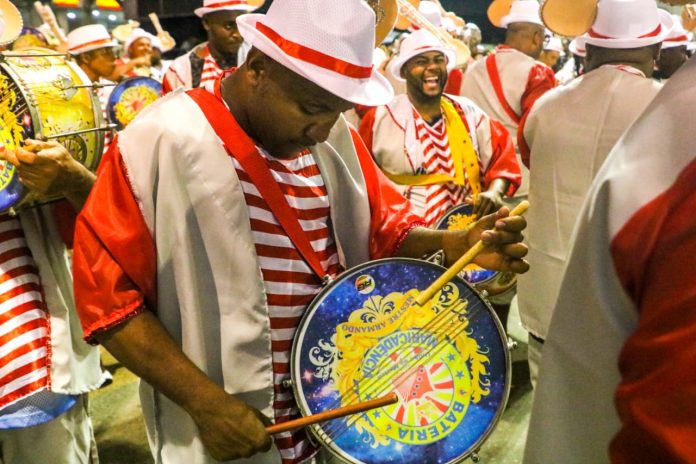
(310, 109)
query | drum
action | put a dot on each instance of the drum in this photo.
(130, 97)
(499, 286)
(447, 361)
(29, 38)
(45, 96)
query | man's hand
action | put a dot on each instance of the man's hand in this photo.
(487, 202)
(48, 169)
(229, 428)
(504, 250)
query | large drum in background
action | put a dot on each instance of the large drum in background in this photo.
(447, 361)
(45, 96)
(130, 97)
(498, 286)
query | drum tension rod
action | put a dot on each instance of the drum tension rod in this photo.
(108, 127)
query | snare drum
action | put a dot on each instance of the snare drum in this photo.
(45, 96)
(497, 285)
(130, 97)
(447, 361)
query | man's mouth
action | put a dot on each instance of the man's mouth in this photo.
(431, 84)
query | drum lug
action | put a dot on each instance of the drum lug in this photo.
(326, 280)
(484, 293)
(475, 456)
(512, 345)
(287, 383)
(12, 212)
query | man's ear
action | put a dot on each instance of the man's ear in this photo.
(206, 26)
(257, 64)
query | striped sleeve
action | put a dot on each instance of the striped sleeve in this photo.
(653, 255)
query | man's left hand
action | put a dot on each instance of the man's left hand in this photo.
(487, 202)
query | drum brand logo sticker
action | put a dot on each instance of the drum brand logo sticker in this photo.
(365, 284)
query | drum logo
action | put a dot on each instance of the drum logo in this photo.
(423, 353)
(365, 284)
(11, 131)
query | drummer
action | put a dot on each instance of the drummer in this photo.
(137, 60)
(94, 51)
(193, 283)
(207, 61)
(439, 149)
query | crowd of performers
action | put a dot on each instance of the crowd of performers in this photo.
(287, 149)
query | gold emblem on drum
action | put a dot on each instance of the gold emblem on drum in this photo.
(132, 101)
(424, 354)
(11, 132)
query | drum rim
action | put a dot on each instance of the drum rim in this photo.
(316, 429)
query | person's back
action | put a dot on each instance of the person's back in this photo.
(571, 131)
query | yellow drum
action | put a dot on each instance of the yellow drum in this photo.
(45, 96)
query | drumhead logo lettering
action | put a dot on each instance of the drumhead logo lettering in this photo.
(365, 284)
(423, 353)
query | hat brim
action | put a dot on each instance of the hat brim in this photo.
(89, 48)
(573, 47)
(200, 12)
(397, 63)
(371, 91)
(666, 22)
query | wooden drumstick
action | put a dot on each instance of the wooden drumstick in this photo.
(465, 259)
(333, 414)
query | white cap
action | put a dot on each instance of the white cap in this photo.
(328, 42)
(88, 38)
(419, 42)
(522, 11)
(629, 24)
(211, 6)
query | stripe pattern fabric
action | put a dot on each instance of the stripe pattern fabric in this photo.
(24, 322)
(289, 282)
(433, 200)
(211, 71)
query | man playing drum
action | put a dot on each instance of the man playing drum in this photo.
(438, 149)
(207, 61)
(229, 220)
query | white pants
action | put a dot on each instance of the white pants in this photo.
(68, 439)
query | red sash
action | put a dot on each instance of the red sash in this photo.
(242, 148)
(494, 75)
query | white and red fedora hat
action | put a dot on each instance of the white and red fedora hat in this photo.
(554, 44)
(678, 37)
(88, 38)
(577, 46)
(211, 6)
(417, 43)
(629, 24)
(522, 11)
(328, 42)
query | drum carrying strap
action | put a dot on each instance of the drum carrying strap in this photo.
(242, 148)
(494, 75)
(464, 156)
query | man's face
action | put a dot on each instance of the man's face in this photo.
(140, 47)
(101, 62)
(426, 75)
(288, 113)
(550, 58)
(222, 30)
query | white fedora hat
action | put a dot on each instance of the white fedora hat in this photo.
(522, 11)
(417, 43)
(88, 38)
(137, 33)
(577, 46)
(211, 6)
(554, 44)
(629, 24)
(328, 42)
(678, 37)
(431, 11)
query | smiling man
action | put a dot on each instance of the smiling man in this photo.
(438, 149)
(207, 61)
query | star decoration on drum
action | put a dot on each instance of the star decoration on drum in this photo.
(447, 361)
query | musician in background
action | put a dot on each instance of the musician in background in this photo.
(438, 149)
(193, 283)
(507, 83)
(47, 368)
(137, 59)
(674, 51)
(564, 140)
(207, 61)
(552, 52)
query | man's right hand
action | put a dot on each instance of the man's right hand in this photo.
(229, 428)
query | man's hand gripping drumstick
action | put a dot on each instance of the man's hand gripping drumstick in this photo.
(48, 170)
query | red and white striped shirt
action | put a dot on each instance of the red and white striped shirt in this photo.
(211, 71)
(289, 282)
(24, 324)
(433, 200)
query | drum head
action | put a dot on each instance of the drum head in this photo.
(130, 97)
(447, 361)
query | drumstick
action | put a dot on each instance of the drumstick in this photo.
(465, 259)
(333, 414)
